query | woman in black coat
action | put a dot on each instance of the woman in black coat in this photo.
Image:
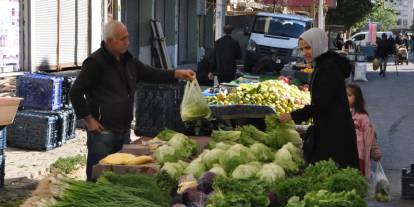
(334, 132)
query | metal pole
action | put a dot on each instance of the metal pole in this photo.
(220, 18)
(321, 21)
(274, 5)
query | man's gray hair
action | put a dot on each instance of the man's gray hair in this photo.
(110, 27)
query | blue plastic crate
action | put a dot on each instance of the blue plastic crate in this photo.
(40, 91)
(36, 131)
(65, 123)
(69, 78)
(2, 140)
(2, 169)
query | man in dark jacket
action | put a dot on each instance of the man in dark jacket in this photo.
(103, 93)
(227, 51)
(382, 51)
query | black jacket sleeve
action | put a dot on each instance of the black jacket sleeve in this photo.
(324, 89)
(87, 78)
(150, 74)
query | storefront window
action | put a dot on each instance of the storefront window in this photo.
(9, 35)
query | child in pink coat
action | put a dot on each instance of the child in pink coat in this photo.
(366, 138)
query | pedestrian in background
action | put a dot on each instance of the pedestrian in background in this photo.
(339, 41)
(382, 52)
(227, 51)
(103, 93)
(333, 135)
(368, 148)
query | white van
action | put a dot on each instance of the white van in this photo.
(361, 38)
(276, 36)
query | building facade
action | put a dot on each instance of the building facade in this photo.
(404, 11)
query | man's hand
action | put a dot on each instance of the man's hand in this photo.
(92, 125)
(210, 76)
(185, 74)
(285, 117)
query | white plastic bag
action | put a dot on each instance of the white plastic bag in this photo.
(360, 71)
(194, 105)
(381, 185)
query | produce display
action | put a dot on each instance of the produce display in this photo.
(277, 94)
(245, 167)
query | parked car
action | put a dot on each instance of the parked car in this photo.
(361, 38)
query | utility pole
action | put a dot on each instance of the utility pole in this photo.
(220, 17)
(321, 19)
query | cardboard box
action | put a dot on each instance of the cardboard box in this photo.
(98, 169)
(8, 109)
(136, 149)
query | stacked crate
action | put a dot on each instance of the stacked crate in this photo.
(2, 156)
(46, 119)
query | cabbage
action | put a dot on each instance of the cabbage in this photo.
(250, 134)
(212, 156)
(221, 135)
(166, 153)
(293, 136)
(183, 144)
(166, 134)
(281, 133)
(255, 163)
(235, 156)
(178, 141)
(224, 145)
(174, 169)
(195, 168)
(284, 159)
(245, 171)
(273, 123)
(295, 152)
(270, 173)
(218, 170)
(262, 152)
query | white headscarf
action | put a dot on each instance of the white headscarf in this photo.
(317, 40)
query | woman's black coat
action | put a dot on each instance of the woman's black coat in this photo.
(334, 129)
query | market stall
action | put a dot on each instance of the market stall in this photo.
(243, 166)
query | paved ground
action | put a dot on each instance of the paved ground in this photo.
(390, 103)
(35, 164)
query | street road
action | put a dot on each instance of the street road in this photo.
(390, 104)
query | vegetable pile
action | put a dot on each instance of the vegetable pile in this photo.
(274, 93)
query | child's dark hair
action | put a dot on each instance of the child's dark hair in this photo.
(359, 103)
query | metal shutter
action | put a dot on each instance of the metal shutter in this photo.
(73, 39)
(67, 33)
(183, 32)
(43, 34)
(96, 24)
(82, 41)
(130, 17)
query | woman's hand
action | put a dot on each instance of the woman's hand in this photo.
(285, 117)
